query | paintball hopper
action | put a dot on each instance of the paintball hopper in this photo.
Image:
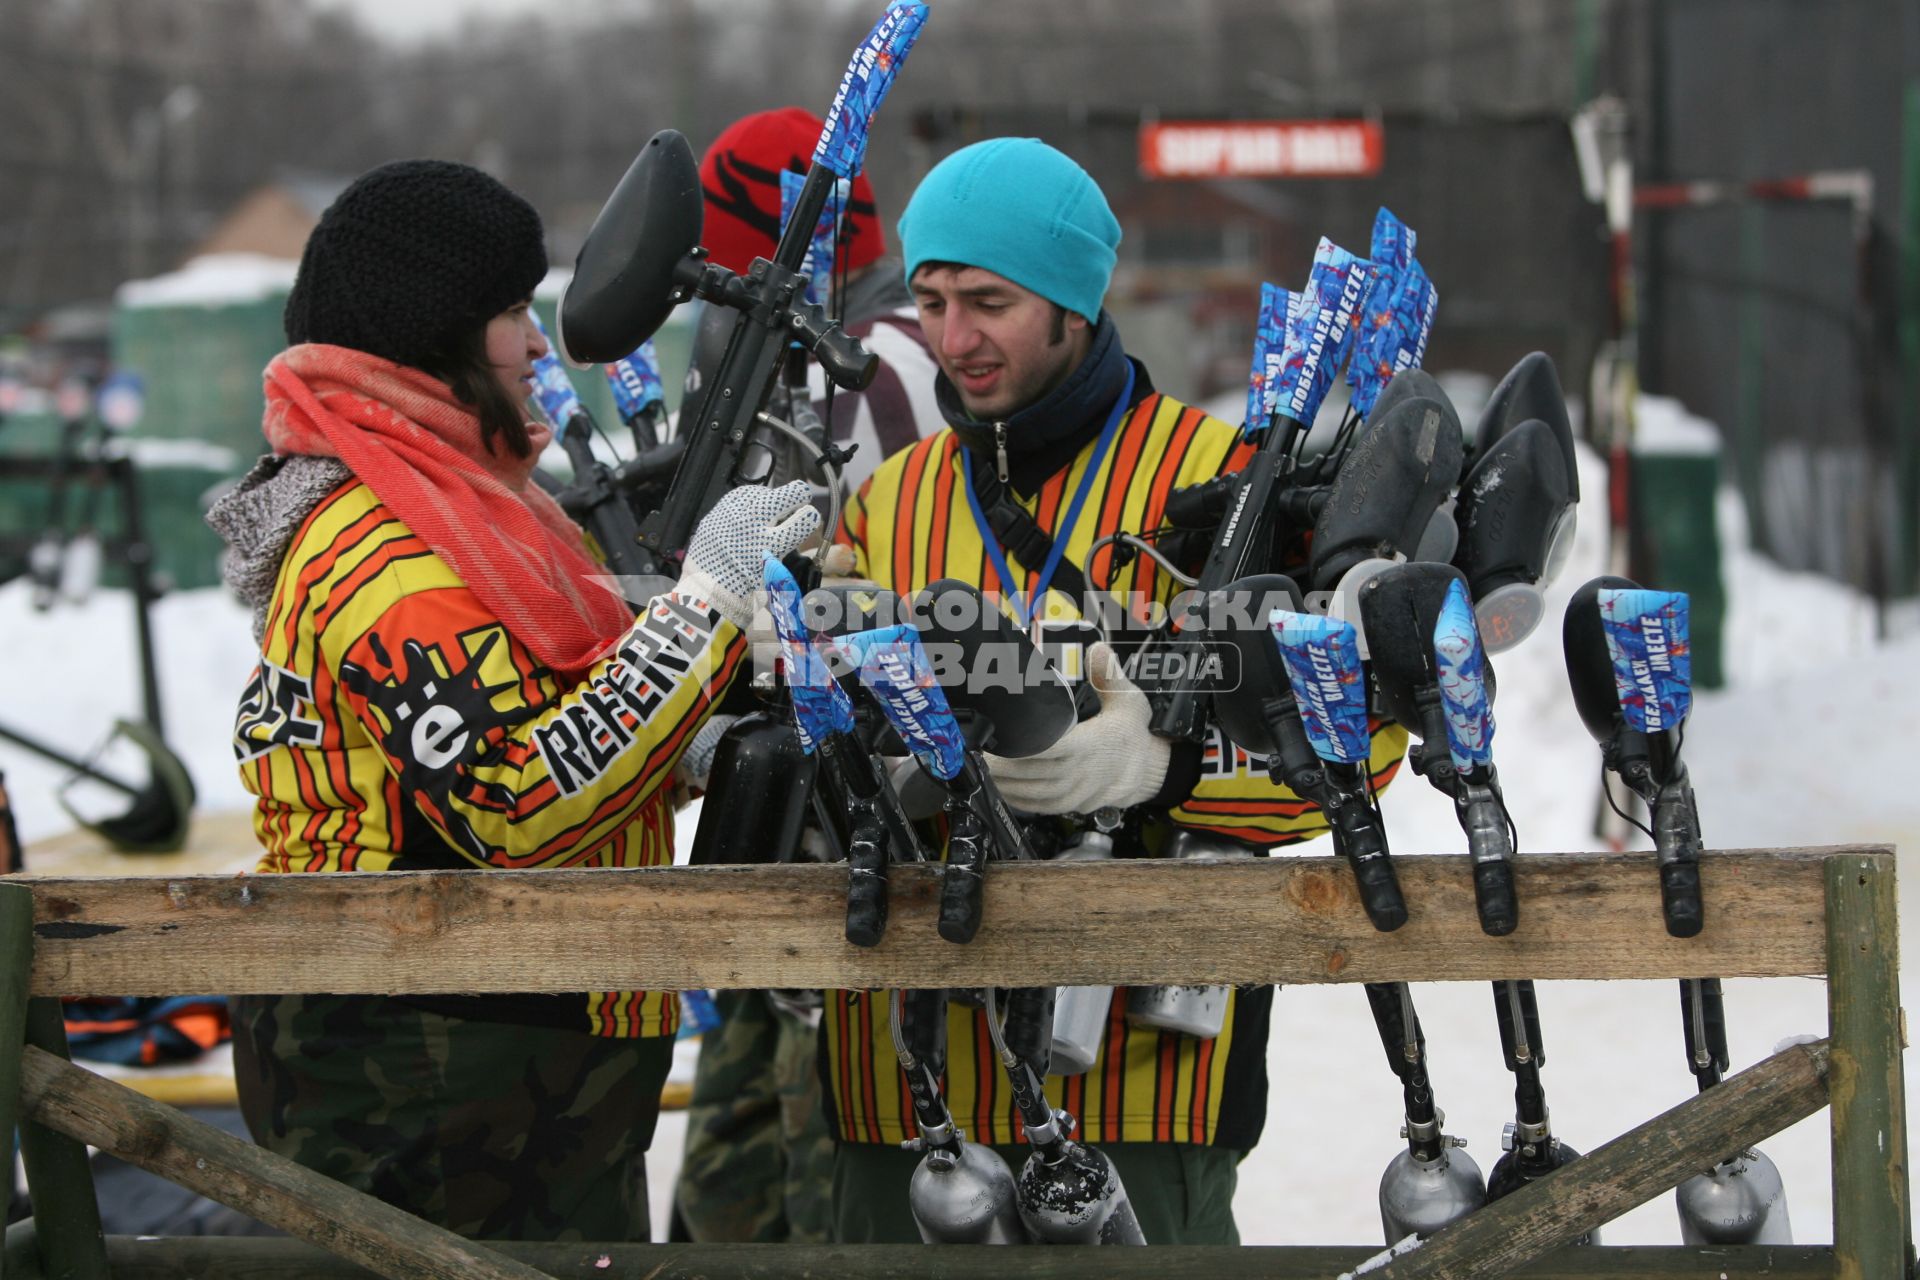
(1516, 517)
(1589, 663)
(1007, 684)
(1442, 535)
(1530, 392)
(623, 285)
(1390, 486)
(1399, 608)
(1517, 504)
(1405, 385)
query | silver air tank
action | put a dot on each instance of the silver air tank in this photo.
(1076, 1197)
(1738, 1201)
(962, 1193)
(1418, 1197)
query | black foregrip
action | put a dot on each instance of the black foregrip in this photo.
(867, 881)
(1029, 1027)
(1200, 504)
(1680, 898)
(1380, 891)
(1366, 852)
(961, 882)
(1676, 842)
(657, 463)
(849, 364)
(1493, 893)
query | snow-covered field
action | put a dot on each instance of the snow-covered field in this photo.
(1802, 748)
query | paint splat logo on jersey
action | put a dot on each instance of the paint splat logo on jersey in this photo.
(275, 711)
(437, 718)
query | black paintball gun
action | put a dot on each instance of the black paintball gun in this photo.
(641, 259)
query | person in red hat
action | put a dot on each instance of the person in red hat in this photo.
(758, 1166)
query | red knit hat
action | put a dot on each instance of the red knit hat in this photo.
(740, 177)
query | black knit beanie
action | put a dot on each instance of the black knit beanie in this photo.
(410, 256)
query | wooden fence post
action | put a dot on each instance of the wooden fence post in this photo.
(16, 975)
(1871, 1230)
(66, 1211)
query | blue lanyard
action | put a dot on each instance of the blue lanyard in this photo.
(999, 557)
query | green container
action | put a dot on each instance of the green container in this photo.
(1674, 496)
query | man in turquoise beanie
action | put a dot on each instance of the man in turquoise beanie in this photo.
(1055, 439)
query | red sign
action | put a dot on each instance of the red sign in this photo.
(1261, 149)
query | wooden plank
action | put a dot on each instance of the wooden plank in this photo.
(255, 1181)
(1870, 1211)
(1640, 1164)
(1262, 920)
(66, 1211)
(239, 1258)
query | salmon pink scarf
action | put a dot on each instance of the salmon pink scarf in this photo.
(404, 435)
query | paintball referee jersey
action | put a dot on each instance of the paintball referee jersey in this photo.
(394, 723)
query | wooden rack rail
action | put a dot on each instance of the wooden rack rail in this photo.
(1771, 913)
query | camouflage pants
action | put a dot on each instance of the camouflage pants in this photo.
(493, 1131)
(759, 1160)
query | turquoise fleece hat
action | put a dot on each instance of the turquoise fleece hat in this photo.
(1020, 209)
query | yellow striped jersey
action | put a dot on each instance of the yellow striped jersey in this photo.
(394, 723)
(910, 526)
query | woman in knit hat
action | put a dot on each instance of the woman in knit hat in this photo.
(448, 681)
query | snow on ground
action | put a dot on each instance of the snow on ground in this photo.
(1788, 754)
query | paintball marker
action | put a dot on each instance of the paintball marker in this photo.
(1302, 704)
(1431, 675)
(863, 809)
(641, 258)
(1631, 672)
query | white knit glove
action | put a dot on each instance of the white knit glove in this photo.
(1110, 760)
(723, 560)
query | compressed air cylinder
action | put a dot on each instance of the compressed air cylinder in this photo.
(1738, 1201)
(1076, 1198)
(1418, 1197)
(965, 1196)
